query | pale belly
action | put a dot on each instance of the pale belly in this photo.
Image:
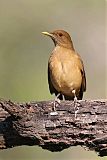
(65, 77)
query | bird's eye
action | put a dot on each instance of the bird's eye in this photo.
(60, 34)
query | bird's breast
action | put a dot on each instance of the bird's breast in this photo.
(65, 74)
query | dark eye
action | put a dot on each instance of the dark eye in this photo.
(60, 34)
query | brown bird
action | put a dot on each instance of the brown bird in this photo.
(66, 74)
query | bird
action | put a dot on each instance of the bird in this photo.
(66, 74)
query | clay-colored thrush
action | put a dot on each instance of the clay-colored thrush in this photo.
(66, 75)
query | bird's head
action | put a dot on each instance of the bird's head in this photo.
(61, 38)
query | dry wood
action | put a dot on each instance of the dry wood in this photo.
(32, 124)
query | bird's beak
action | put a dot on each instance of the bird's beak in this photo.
(48, 34)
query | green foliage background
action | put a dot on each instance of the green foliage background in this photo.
(24, 53)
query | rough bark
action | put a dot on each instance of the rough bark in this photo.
(33, 124)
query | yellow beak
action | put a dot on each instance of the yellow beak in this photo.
(48, 34)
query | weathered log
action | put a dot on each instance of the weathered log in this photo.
(33, 124)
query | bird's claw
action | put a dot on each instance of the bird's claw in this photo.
(76, 108)
(56, 101)
(76, 111)
(54, 113)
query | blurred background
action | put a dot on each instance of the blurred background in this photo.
(24, 54)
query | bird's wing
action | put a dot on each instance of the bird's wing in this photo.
(81, 66)
(83, 84)
(83, 80)
(51, 87)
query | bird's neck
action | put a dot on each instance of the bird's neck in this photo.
(62, 50)
(64, 45)
(68, 44)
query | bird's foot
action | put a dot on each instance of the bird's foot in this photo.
(56, 102)
(54, 113)
(76, 108)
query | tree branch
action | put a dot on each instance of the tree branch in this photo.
(33, 124)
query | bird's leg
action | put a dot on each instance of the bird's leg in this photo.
(75, 104)
(63, 98)
(56, 100)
